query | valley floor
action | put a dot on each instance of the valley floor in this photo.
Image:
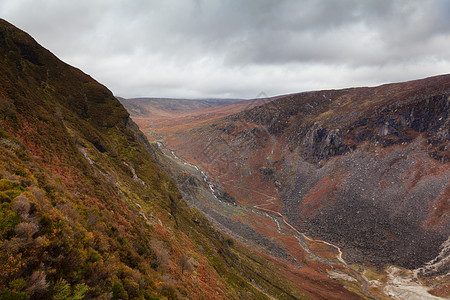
(287, 246)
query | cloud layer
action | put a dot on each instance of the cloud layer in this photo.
(211, 48)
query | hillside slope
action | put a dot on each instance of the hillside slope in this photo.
(85, 212)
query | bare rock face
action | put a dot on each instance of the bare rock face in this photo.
(391, 179)
(386, 127)
(322, 143)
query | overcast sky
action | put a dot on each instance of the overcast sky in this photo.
(209, 48)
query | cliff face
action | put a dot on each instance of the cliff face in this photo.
(330, 123)
(84, 209)
(365, 168)
(385, 127)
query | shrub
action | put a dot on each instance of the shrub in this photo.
(20, 172)
(38, 283)
(38, 194)
(168, 290)
(15, 290)
(22, 206)
(185, 263)
(93, 255)
(229, 242)
(8, 220)
(162, 256)
(4, 197)
(118, 291)
(63, 290)
(13, 193)
(26, 230)
(6, 184)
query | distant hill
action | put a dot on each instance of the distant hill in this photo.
(143, 106)
(165, 115)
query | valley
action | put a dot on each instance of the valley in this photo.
(290, 168)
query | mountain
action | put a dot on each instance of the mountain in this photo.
(363, 169)
(86, 212)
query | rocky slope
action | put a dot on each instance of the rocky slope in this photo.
(364, 168)
(85, 212)
(372, 169)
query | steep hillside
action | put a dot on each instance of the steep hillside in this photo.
(364, 168)
(85, 210)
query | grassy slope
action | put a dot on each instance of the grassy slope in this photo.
(85, 211)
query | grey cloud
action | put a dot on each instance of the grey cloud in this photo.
(211, 48)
